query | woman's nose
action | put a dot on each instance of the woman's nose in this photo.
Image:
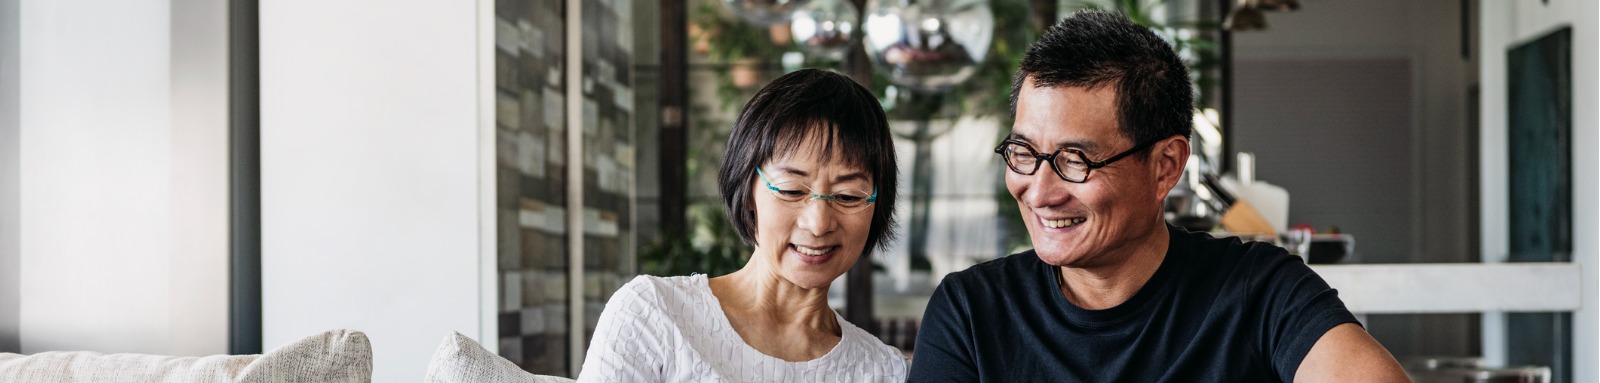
(817, 217)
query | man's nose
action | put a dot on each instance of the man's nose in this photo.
(1044, 187)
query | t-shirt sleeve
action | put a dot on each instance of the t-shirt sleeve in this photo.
(944, 351)
(1299, 308)
(629, 339)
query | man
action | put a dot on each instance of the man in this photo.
(1110, 292)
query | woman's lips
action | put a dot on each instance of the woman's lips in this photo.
(813, 255)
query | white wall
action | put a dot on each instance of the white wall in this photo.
(369, 174)
(123, 212)
(10, 340)
(1506, 24)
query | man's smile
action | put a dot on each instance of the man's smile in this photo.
(1062, 222)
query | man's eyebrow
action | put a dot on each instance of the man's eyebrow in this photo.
(1087, 146)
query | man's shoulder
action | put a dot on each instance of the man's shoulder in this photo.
(1256, 266)
(1003, 266)
(996, 275)
(1225, 250)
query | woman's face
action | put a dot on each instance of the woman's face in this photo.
(812, 241)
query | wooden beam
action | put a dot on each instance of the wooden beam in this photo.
(674, 98)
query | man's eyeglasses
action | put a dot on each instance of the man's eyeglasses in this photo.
(1070, 164)
(797, 194)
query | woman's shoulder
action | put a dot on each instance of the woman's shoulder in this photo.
(642, 328)
(654, 286)
(653, 293)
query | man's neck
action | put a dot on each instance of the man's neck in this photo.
(1105, 286)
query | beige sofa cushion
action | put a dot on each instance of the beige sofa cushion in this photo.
(333, 356)
(460, 359)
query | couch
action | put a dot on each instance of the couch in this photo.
(335, 356)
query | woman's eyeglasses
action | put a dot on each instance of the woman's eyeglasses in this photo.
(797, 194)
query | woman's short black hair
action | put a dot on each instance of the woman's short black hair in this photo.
(802, 105)
(1090, 49)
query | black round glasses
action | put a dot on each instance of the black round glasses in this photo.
(1070, 164)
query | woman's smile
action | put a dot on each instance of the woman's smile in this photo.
(815, 255)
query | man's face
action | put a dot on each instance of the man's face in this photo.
(1095, 222)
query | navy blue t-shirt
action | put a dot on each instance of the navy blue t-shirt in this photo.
(1217, 310)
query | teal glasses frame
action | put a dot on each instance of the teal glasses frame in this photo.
(827, 197)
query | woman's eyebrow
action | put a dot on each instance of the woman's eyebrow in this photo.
(791, 170)
(853, 176)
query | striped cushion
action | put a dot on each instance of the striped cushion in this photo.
(460, 359)
(333, 356)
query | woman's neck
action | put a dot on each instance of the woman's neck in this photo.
(776, 317)
(759, 293)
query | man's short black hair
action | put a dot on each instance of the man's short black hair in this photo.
(810, 104)
(1090, 49)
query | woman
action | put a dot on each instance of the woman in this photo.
(808, 179)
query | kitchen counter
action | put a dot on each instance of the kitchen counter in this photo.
(1414, 288)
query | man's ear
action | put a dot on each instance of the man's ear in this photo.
(1171, 157)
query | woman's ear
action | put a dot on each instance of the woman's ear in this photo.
(750, 199)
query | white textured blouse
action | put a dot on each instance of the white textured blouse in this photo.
(672, 329)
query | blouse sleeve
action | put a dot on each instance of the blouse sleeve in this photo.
(629, 340)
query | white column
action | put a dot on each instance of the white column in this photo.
(199, 266)
(488, 276)
(575, 207)
(1494, 28)
(369, 174)
(1505, 25)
